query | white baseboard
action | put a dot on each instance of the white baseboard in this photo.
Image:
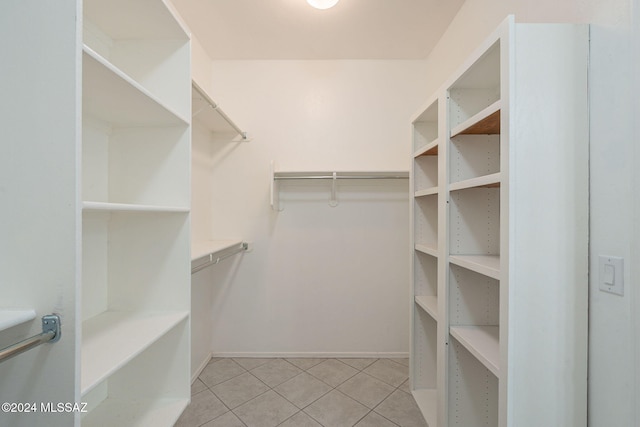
(203, 364)
(343, 355)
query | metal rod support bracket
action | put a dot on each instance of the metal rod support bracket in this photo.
(51, 323)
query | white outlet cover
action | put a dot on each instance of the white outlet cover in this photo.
(611, 274)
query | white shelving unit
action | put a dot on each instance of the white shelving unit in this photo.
(135, 235)
(500, 185)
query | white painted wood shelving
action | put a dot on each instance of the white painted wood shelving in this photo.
(500, 185)
(135, 233)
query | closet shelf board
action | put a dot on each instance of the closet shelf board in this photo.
(134, 20)
(139, 413)
(201, 249)
(113, 338)
(428, 304)
(10, 318)
(426, 192)
(427, 400)
(487, 265)
(486, 181)
(430, 149)
(429, 250)
(482, 342)
(127, 207)
(486, 122)
(111, 95)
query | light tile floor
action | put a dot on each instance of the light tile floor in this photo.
(252, 392)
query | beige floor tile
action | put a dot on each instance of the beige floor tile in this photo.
(403, 361)
(402, 409)
(197, 386)
(250, 363)
(405, 387)
(302, 390)
(332, 372)
(275, 372)
(267, 410)
(220, 371)
(389, 372)
(239, 390)
(336, 410)
(375, 420)
(300, 420)
(305, 363)
(366, 389)
(359, 364)
(204, 406)
(226, 420)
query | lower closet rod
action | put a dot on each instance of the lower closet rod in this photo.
(243, 247)
(50, 333)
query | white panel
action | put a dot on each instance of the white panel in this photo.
(473, 390)
(146, 166)
(473, 298)
(426, 221)
(39, 175)
(95, 263)
(425, 351)
(148, 261)
(475, 221)
(472, 156)
(549, 229)
(425, 172)
(425, 274)
(152, 64)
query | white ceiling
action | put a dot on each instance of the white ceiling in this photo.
(291, 29)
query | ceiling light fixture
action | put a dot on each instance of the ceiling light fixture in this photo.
(322, 4)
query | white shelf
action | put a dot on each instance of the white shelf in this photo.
(427, 250)
(488, 265)
(138, 413)
(207, 112)
(134, 20)
(11, 318)
(489, 181)
(431, 149)
(483, 122)
(483, 342)
(427, 400)
(113, 338)
(428, 304)
(110, 95)
(126, 207)
(284, 175)
(427, 192)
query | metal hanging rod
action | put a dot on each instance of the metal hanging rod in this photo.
(281, 178)
(215, 106)
(51, 332)
(213, 260)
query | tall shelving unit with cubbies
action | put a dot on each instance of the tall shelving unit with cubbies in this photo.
(136, 107)
(511, 231)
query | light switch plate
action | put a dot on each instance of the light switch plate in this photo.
(611, 274)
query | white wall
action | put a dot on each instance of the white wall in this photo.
(614, 203)
(320, 280)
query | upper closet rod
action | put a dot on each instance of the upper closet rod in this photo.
(213, 105)
(278, 178)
